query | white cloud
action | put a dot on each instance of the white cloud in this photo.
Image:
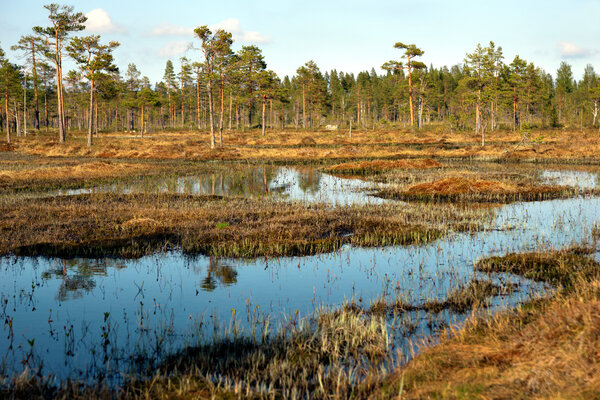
(231, 25)
(174, 48)
(234, 26)
(172, 30)
(571, 50)
(99, 21)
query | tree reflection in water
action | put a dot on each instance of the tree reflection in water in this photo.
(77, 276)
(217, 273)
(309, 180)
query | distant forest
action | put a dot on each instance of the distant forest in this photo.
(223, 89)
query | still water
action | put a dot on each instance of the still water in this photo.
(80, 318)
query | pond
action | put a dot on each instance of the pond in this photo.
(306, 185)
(80, 318)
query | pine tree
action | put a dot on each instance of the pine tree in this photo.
(251, 63)
(170, 82)
(33, 46)
(63, 21)
(215, 47)
(10, 87)
(94, 59)
(185, 78)
(517, 80)
(267, 87)
(410, 52)
(564, 88)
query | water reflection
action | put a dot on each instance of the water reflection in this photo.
(172, 300)
(76, 276)
(285, 183)
(580, 179)
(218, 274)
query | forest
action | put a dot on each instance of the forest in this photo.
(222, 89)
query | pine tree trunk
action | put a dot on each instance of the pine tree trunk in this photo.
(35, 89)
(142, 123)
(230, 109)
(210, 112)
(96, 119)
(303, 107)
(7, 115)
(91, 111)
(198, 99)
(410, 94)
(59, 92)
(17, 121)
(222, 92)
(264, 107)
(271, 116)
(46, 121)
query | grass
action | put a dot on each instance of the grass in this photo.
(474, 294)
(329, 355)
(380, 166)
(560, 268)
(546, 349)
(468, 189)
(133, 225)
(29, 174)
(291, 145)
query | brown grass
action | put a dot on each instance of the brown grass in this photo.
(573, 146)
(378, 166)
(458, 185)
(134, 225)
(85, 170)
(457, 188)
(549, 349)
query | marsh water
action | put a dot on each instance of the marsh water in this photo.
(284, 183)
(80, 318)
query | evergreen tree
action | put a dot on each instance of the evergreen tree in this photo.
(215, 47)
(63, 21)
(410, 52)
(94, 59)
(251, 63)
(33, 46)
(564, 88)
(170, 79)
(185, 79)
(10, 87)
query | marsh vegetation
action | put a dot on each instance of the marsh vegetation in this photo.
(220, 278)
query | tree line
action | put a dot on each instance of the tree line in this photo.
(230, 90)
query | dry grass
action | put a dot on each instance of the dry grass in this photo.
(457, 185)
(379, 166)
(558, 268)
(460, 189)
(86, 170)
(137, 224)
(548, 349)
(573, 146)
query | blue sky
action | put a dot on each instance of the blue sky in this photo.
(346, 35)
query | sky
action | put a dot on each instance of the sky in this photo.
(349, 35)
